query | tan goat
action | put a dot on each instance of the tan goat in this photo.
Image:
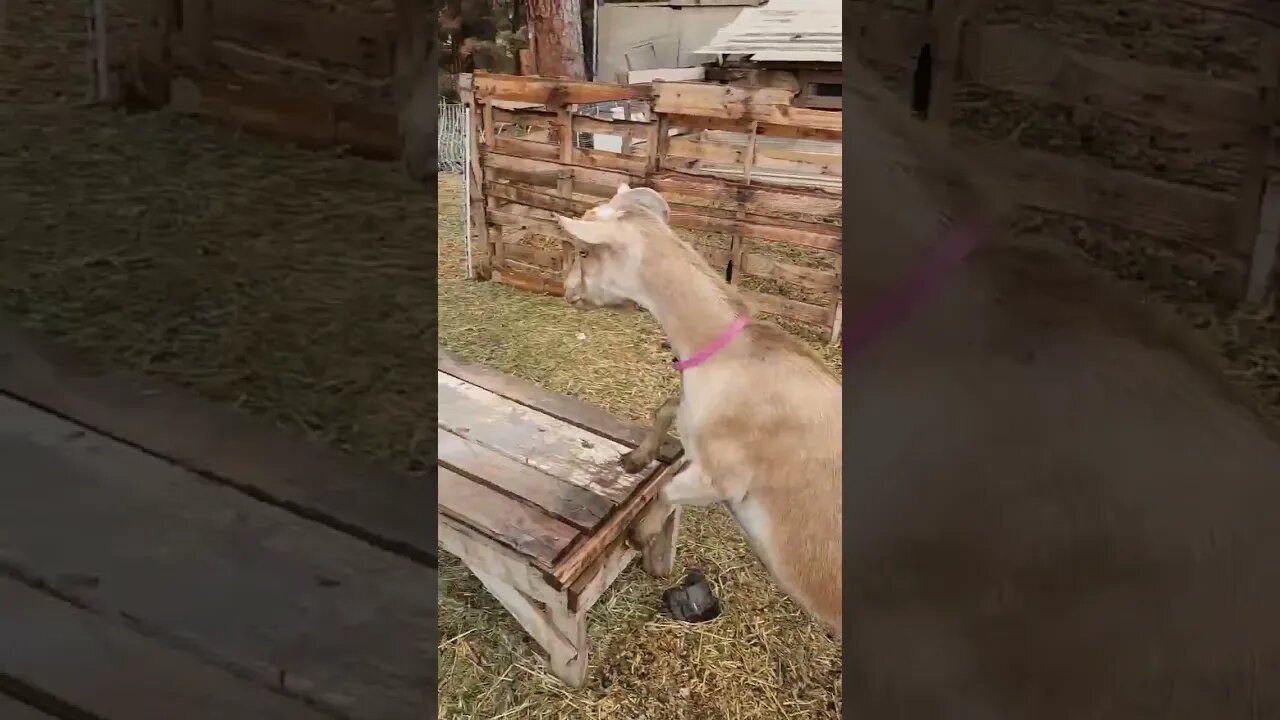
(759, 418)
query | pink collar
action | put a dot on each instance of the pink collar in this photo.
(714, 346)
(956, 245)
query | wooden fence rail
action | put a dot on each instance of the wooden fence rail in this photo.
(763, 212)
(341, 76)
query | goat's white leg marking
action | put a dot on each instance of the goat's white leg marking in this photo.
(687, 487)
(690, 486)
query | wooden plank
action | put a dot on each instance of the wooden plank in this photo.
(533, 256)
(762, 199)
(535, 620)
(11, 709)
(741, 125)
(1033, 63)
(293, 73)
(549, 444)
(611, 126)
(569, 503)
(196, 32)
(522, 147)
(604, 159)
(587, 553)
(530, 281)
(766, 158)
(1259, 146)
(593, 582)
(1124, 199)
(1266, 247)
(478, 214)
(947, 22)
(381, 507)
(794, 232)
(270, 111)
(465, 543)
(764, 266)
(786, 307)
(765, 105)
(102, 668)
(282, 601)
(552, 92)
(1263, 11)
(519, 526)
(540, 172)
(570, 410)
(525, 222)
(334, 36)
(531, 117)
(366, 133)
(256, 107)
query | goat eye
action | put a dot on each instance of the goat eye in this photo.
(582, 253)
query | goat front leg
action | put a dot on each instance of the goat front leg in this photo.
(655, 531)
(663, 417)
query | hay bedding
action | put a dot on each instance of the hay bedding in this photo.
(296, 285)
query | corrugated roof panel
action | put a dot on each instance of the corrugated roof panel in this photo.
(795, 30)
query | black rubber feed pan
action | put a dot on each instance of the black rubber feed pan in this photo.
(692, 600)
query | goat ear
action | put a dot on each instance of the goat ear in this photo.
(587, 232)
(622, 188)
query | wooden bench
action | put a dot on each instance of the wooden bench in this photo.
(162, 557)
(533, 500)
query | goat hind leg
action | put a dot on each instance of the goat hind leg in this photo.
(663, 417)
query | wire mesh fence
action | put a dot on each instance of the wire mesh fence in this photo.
(452, 137)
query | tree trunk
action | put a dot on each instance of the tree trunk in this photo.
(556, 27)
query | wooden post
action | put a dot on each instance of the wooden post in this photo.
(565, 137)
(476, 196)
(1256, 233)
(150, 66)
(659, 142)
(837, 310)
(1262, 267)
(196, 36)
(737, 247)
(947, 27)
(564, 185)
(101, 72)
(626, 138)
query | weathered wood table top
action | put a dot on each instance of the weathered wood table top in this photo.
(161, 558)
(537, 472)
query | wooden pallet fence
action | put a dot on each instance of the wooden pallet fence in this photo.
(315, 77)
(1201, 112)
(753, 181)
